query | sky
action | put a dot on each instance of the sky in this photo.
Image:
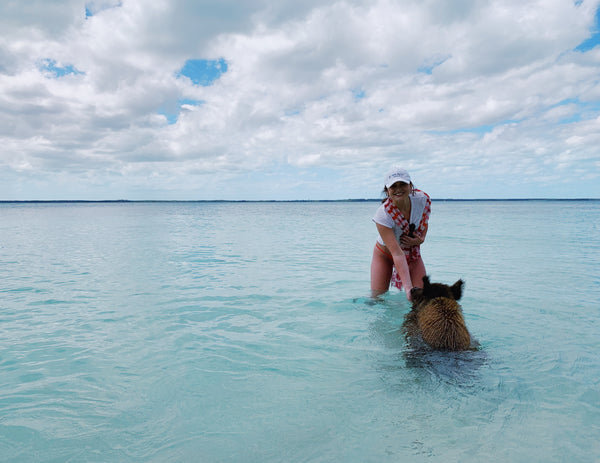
(298, 100)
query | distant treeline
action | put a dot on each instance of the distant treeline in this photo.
(75, 201)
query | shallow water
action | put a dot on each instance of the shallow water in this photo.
(243, 332)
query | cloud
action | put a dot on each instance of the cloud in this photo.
(175, 99)
(94, 7)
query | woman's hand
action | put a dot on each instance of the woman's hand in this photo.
(407, 241)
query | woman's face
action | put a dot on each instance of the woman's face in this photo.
(399, 191)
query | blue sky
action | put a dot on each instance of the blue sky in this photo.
(254, 99)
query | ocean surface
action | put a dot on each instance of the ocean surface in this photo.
(244, 332)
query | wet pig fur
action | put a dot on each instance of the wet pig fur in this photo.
(437, 316)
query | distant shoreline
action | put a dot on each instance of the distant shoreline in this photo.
(109, 201)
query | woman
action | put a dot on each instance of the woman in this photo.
(402, 224)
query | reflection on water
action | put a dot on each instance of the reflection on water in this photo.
(458, 367)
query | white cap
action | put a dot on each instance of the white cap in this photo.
(397, 174)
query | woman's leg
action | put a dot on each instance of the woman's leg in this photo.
(381, 272)
(417, 272)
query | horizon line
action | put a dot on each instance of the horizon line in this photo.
(44, 201)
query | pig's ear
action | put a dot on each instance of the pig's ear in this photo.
(456, 289)
(426, 282)
(416, 294)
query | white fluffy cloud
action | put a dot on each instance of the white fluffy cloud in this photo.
(477, 98)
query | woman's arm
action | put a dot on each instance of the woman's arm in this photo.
(389, 239)
(416, 240)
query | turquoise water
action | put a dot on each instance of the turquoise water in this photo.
(243, 332)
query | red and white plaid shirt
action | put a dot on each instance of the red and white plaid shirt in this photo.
(414, 252)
